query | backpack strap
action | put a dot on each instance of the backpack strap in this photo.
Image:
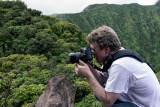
(122, 53)
(127, 53)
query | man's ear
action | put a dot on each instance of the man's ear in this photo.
(107, 50)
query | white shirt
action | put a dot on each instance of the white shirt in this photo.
(135, 81)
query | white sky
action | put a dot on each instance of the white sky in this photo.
(48, 7)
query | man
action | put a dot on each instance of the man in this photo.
(128, 80)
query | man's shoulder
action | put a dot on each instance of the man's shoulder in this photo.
(127, 54)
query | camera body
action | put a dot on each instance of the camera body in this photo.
(85, 55)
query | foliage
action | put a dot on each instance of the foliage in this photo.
(89, 101)
(48, 40)
(22, 79)
(26, 31)
(83, 89)
(26, 94)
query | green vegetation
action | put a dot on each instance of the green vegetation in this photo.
(34, 47)
(22, 79)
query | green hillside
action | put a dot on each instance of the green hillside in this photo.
(26, 31)
(137, 26)
(33, 49)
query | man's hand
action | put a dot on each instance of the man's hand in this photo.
(82, 69)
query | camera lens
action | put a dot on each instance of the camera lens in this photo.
(74, 57)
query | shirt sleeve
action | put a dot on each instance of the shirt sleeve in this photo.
(105, 74)
(120, 79)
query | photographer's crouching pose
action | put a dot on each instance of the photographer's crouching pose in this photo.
(128, 80)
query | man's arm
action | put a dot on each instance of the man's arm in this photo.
(98, 75)
(107, 98)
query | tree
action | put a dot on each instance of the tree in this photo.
(22, 76)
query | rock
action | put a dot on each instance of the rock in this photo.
(59, 93)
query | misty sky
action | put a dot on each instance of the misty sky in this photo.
(73, 6)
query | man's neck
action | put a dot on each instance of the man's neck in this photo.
(113, 52)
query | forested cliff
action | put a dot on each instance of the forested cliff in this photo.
(35, 47)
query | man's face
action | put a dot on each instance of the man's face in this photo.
(99, 54)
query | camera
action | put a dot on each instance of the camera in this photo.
(85, 55)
